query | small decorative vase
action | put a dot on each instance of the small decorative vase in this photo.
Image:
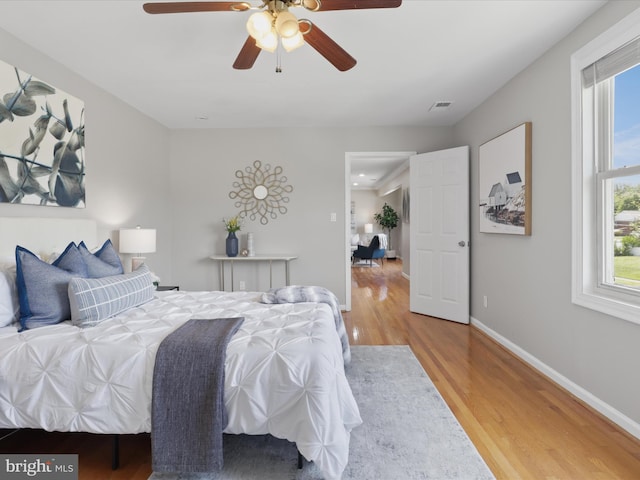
(251, 252)
(232, 245)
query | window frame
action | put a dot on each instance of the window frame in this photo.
(590, 209)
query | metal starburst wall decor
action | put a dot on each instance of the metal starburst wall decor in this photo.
(260, 192)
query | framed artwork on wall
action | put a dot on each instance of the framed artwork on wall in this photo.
(41, 142)
(505, 182)
(406, 205)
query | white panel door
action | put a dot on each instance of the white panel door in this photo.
(439, 216)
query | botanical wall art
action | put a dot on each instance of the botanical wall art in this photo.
(261, 192)
(505, 182)
(41, 142)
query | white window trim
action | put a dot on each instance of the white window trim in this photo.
(586, 289)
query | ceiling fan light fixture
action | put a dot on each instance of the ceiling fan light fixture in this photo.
(291, 43)
(313, 5)
(260, 24)
(287, 24)
(268, 42)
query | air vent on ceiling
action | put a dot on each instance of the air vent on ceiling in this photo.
(441, 105)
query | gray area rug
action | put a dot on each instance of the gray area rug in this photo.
(408, 433)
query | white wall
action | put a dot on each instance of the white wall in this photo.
(203, 165)
(127, 159)
(401, 234)
(139, 172)
(366, 203)
(528, 279)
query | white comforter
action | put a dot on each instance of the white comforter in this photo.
(284, 373)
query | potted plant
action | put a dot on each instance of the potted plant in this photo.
(232, 225)
(388, 219)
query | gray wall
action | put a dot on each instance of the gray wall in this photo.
(127, 159)
(203, 165)
(528, 279)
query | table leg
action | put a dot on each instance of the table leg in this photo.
(286, 269)
(232, 275)
(222, 275)
(270, 274)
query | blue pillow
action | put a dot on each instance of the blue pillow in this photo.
(42, 287)
(105, 262)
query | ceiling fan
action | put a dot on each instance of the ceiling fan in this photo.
(273, 21)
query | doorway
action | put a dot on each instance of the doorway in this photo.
(383, 173)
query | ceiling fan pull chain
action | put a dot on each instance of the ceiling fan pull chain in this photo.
(278, 61)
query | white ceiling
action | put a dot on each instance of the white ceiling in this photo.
(177, 68)
(370, 170)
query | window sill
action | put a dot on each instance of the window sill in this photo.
(623, 308)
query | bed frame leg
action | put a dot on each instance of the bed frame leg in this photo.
(299, 460)
(115, 452)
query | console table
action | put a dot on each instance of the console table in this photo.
(257, 258)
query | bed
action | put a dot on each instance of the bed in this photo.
(284, 372)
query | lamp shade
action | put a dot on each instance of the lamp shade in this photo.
(137, 240)
(368, 228)
(259, 24)
(292, 43)
(287, 24)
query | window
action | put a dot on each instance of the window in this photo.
(606, 171)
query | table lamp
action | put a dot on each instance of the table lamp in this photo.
(137, 241)
(368, 229)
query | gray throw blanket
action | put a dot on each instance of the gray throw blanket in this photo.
(299, 294)
(187, 407)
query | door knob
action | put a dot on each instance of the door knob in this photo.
(461, 243)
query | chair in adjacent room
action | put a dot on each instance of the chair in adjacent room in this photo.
(372, 252)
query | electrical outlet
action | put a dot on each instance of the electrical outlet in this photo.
(485, 301)
(334, 216)
(243, 286)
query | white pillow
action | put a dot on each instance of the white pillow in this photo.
(9, 302)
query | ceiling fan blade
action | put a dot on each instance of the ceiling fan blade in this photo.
(325, 5)
(184, 7)
(248, 54)
(326, 47)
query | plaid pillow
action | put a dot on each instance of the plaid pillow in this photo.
(95, 299)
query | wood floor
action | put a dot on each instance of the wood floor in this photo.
(523, 425)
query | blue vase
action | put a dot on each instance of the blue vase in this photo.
(232, 245)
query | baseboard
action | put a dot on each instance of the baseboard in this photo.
(406, 276)
(587, 397)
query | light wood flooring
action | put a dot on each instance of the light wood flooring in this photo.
(523, 425)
